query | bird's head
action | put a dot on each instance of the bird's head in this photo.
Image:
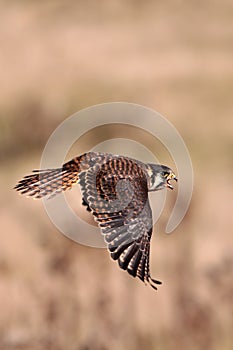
(159, 177)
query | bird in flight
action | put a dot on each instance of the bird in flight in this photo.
(115, 190)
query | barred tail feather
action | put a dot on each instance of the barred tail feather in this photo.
(49, 182)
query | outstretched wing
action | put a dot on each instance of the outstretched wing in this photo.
(116, 192)
(130, 243)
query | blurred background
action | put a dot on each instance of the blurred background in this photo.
(58, 57)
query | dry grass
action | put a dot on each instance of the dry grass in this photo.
(175, 57)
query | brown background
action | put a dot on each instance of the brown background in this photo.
(58, 57)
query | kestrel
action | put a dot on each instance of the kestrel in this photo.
(115, 190)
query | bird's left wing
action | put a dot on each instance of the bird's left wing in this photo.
(116, 193)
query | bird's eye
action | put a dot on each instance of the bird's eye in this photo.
(165, 173)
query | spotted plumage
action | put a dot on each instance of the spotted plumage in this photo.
(115, 190)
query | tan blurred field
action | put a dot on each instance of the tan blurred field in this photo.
(57, 58)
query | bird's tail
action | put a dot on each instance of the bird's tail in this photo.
(49, 182)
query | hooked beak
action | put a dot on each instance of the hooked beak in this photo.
(170, 177)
